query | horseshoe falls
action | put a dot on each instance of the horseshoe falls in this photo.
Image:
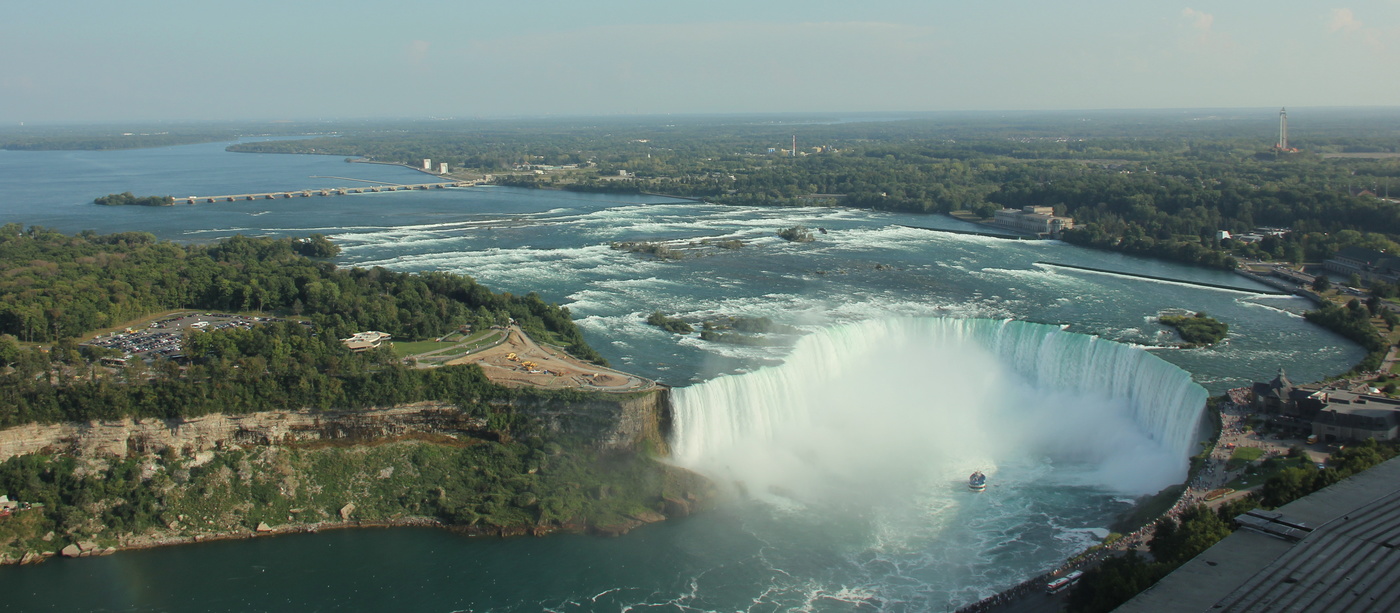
(876, 404)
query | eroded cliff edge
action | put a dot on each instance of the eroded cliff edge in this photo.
(577, 462)
(610, 422)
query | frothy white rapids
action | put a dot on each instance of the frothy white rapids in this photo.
(873, 407)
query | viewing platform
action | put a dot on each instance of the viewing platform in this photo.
(333, 191)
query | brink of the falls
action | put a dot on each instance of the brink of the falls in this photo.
(870, 408)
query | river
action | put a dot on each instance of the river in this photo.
(918, 542)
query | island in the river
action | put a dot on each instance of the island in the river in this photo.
(129, 199)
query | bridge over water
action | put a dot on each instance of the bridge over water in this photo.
(332, 191)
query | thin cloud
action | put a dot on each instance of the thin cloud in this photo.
(1206, 37)
(1343, 20)
(1345, 24)
(1199, 20)
(417, 51)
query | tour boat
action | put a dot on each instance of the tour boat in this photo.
(977, 482)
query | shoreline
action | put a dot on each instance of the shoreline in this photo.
(155, 541)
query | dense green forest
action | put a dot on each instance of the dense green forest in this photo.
(54, 288)
(1157, 184)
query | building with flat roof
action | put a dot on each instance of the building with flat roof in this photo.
(1333, 551)
(363, 341)
(1335, 413)
(1369, 264)
(1037, 220)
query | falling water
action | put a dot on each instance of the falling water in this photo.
(890, 403)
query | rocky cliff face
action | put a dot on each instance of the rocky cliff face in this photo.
(615, 422)
(626, 422)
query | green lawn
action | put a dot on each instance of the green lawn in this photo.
(1246, 454)
(459, 348)
(404, 350)
(1260, 474)
(1243, 456)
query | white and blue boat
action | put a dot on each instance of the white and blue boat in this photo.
(977, 482)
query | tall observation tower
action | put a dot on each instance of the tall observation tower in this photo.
(1282, 130)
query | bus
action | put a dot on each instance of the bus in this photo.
(1063, 583)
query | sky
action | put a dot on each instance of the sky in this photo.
(158, 60)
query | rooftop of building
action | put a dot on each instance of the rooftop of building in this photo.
(1347, 563)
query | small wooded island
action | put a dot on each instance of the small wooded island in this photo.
(129, 199)
(1198, 330)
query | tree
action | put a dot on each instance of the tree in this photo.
(1321, 284)
(9, 350)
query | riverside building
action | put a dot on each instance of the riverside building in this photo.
(1037, 220)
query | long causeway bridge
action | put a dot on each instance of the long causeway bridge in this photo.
(332, 191)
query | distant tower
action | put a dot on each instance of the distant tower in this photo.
(427, 164)
(794, 145)
(1283, 129)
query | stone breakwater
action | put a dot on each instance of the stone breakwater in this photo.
(615, 423)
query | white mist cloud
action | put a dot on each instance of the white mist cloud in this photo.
(1199, 20)
(876, 410)
(1345, 23)
(1343, 20)
(417, 51)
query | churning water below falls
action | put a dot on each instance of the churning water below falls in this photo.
(870, 429)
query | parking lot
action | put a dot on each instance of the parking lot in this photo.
(164, 338)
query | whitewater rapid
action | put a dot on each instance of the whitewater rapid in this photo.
(883, 405)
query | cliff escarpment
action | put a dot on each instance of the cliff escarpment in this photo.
(568, 462)
(609, 422)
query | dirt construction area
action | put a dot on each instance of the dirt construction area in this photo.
(519, 361)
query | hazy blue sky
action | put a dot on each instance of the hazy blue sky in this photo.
(103, 60)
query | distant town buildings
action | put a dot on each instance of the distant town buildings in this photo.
(1038, 220)
(1334, 412)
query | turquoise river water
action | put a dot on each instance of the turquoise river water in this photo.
(921, 356)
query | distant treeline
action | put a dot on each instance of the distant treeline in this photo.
(1154, 184)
